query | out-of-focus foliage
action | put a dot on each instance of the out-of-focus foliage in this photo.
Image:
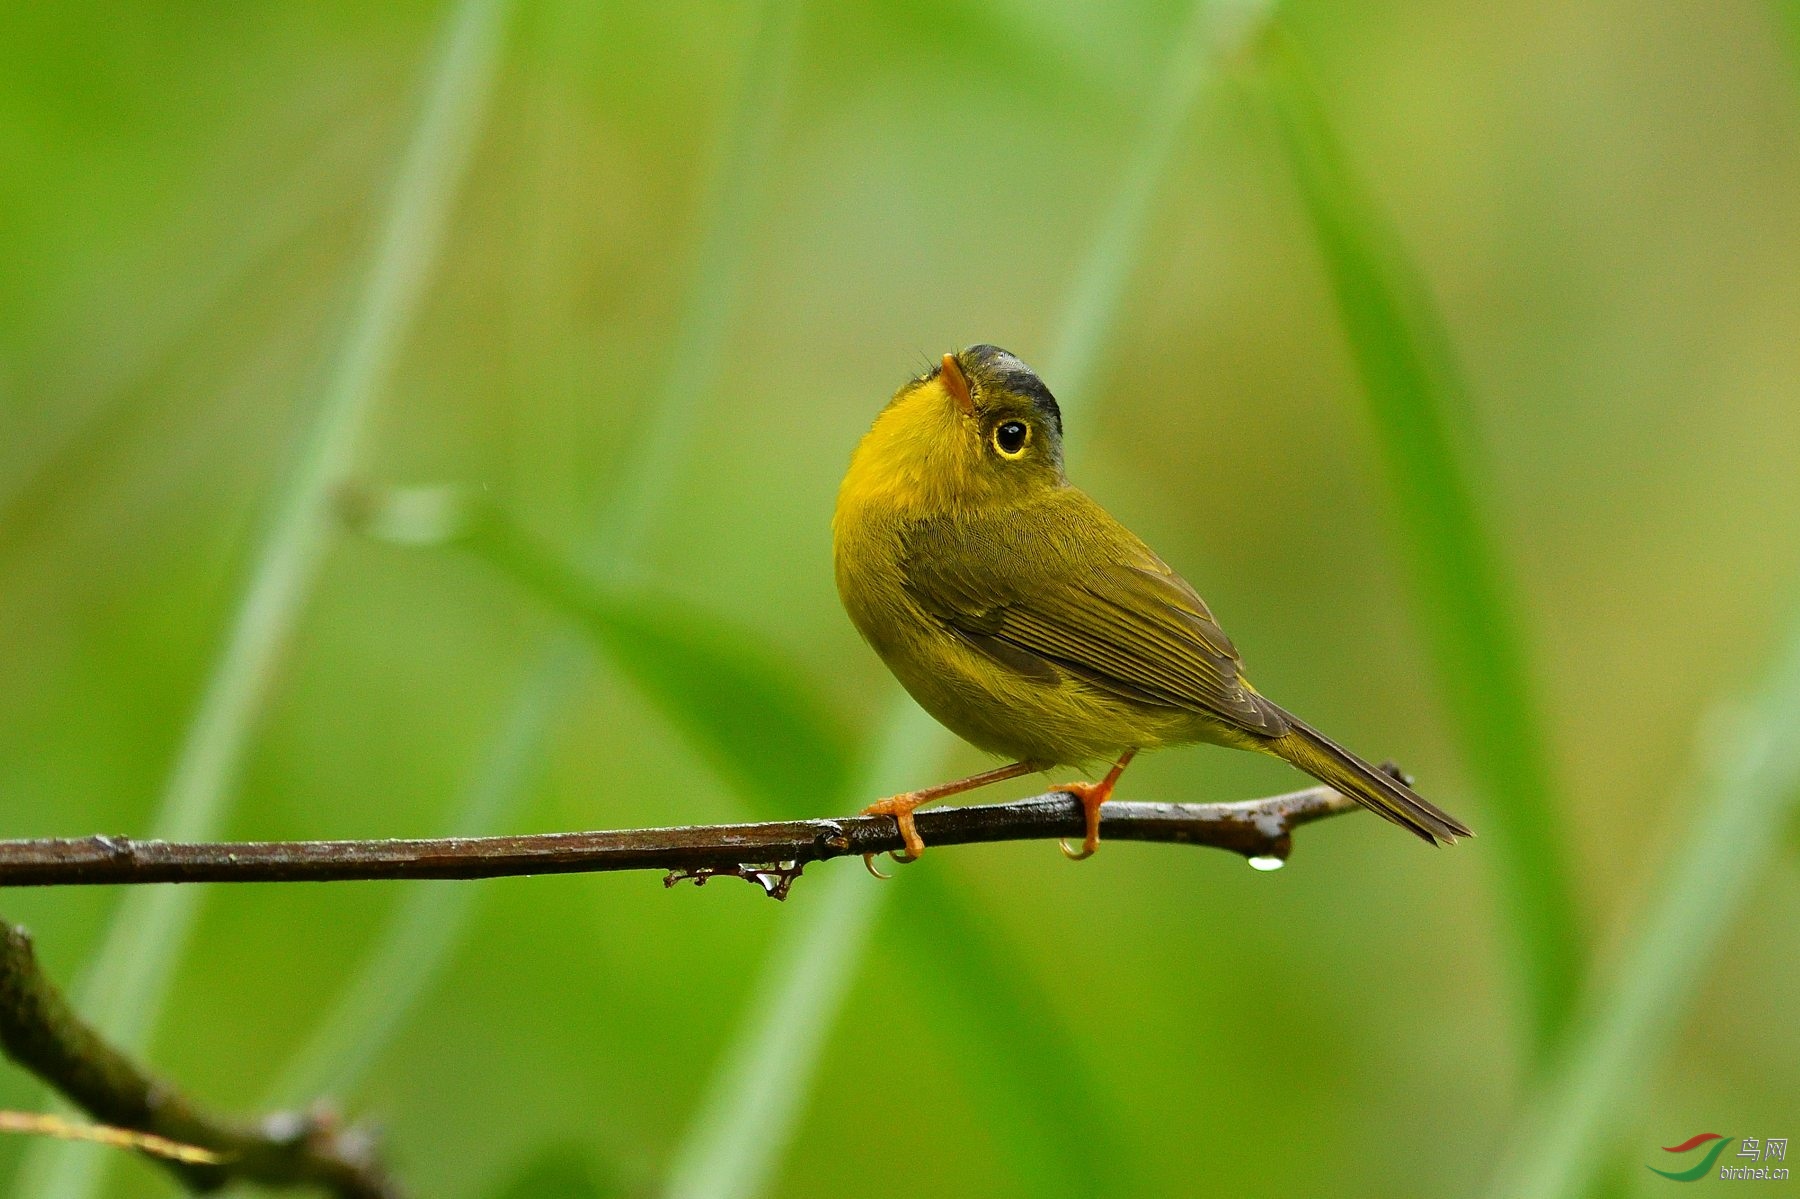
(1417, 401)
(1602, 200)
(742, 707)
(562, 1172)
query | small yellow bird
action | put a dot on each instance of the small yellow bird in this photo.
(1032, 624)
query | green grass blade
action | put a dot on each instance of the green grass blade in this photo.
(741, 1130)
(396, 975)
(419, 938)
(1465, 596)
(986, 1004)
(1747, 795)
(758, 722)
(732, 1147)
(130, 976)
(720, 263)
(1091, 312)
(38, 470)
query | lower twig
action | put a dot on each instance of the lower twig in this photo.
(40, 1032)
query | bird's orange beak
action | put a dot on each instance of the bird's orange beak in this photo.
(957, 384)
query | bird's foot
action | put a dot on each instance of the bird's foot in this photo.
(1092, 795)
(901, 808)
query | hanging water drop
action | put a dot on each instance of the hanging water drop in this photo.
(1267, 863)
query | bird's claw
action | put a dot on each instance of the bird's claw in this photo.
(872, 868)
(900, 807)
(1075, 855)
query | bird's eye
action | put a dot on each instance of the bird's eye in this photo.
(1010, 437)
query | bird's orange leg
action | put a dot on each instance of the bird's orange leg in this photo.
(901, 806)
(1092, 795)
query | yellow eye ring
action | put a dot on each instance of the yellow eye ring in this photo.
(1011, 437)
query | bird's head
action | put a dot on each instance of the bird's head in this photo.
(980, 428)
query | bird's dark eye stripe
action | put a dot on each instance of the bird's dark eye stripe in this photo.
(1009, 436)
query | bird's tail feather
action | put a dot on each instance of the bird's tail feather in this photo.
(1374, 789)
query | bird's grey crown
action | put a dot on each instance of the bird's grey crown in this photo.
(994, 367)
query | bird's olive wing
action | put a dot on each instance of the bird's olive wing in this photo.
(1059, 588)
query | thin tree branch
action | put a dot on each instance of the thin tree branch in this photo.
(48, 1124)
(771, 853)
(40, 1032)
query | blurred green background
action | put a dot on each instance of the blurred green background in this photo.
(774, 215)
